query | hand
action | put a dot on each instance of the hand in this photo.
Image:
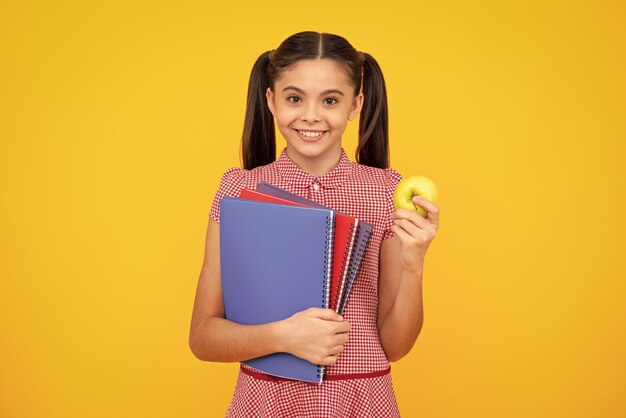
(415, 232)
(316, 334)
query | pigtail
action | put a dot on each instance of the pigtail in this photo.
(258, 142)
(373, 147)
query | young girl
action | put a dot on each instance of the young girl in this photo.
(311, 87)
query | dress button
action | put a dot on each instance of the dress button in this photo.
(316, 186)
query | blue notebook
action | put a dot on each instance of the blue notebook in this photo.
(275, 260)
(363, 235)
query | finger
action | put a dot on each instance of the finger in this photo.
(328, 361)
(327, 314)
(336, 350)
(404, 236)
(413, 232)
(431, 220)
(411, 215)
(343, 327)
(432, 210)
(409, 226)
(340, 339)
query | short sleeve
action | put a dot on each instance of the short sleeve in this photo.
(392, 178)
(231, 184)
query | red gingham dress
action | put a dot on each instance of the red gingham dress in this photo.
(367, 194)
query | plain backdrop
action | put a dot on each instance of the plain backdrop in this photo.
(118, 119)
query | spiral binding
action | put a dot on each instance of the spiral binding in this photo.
(328, 263)
(354, 269)
(335, 298)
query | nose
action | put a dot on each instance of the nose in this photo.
(310, 114)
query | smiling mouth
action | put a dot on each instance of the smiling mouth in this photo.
(310, 134)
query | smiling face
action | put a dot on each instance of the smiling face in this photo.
(313, 100)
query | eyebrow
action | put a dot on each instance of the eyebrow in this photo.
(303, 93)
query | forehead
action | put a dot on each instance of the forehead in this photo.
(315, 74)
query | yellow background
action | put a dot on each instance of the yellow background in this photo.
(117, 120)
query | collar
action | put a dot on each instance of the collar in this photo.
(296, 176)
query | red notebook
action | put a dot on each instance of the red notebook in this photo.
(345, 234)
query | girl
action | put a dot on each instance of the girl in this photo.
(311, 87)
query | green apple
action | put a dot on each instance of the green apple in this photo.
(414, 186)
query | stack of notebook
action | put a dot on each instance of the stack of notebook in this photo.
(280, 254)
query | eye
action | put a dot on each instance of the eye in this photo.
(330, 98)
(292, 97)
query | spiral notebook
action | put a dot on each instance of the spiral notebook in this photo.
(363, 234)
(276, 260)
(344, 241)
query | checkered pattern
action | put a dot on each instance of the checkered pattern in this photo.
(367, 194)
(372, 397)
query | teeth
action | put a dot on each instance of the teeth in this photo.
(310, 134)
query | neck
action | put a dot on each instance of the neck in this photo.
(317, 165)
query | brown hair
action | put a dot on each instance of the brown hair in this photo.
(258, 142)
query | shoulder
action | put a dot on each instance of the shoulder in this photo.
(378, 185)
(232, 175)
(386, 178)
(232, 181)
(235, 178)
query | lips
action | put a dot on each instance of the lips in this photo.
(310, 135)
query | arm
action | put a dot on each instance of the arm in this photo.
(315, 334)
(400, 307)
(400, 304)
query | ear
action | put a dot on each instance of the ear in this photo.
(357, 104)
(270, 100)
